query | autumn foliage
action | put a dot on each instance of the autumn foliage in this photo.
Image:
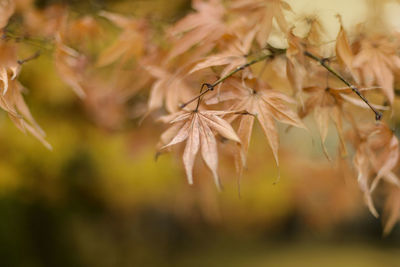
(213, 75)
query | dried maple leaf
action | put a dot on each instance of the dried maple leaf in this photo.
(377, 153)
(7, 8)
(376, 61)
(70, 65)
(84, 29)
(391, 212)
(11, 99)
(169, 88)
(328, 103)
(131, 42)
(295, 69)
(8, 63)
(344, 52)
(44, 22)
(196, 128)
(316, 32)
(106, 97)
(266, 104)
(234, 56)
(260, 13)
(201, 28)
(13, 103)
(385, 145)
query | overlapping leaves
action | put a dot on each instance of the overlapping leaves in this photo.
(197, 129)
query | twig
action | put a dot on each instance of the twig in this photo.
(42, 43)
(201, 94)
(34, 56)
(378, 115)
(210, 87)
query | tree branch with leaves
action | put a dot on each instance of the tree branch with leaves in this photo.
(230, 43)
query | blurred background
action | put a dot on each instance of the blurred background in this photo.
(100, 199)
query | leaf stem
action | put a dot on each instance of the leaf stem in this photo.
(201, 94)
(378, 115)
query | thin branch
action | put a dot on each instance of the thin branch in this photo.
(378, 115)
(34, 56)
(42, 43)
(210, 87)
(201, 94)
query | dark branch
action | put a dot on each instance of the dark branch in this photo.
(210, 87)
(323, 62)
(34, 56)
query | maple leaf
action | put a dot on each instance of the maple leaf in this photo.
(131, 42)
(234, 56)
(7, 8)
(391, 211)
(84, 29)
(202, 28)
(11, 99)
(295, 69)
(327, 104)
(44, 22)
(107, 95)
(13, 103)
(197, 129)
(260, 13)
(70, 65)
(169, 88)
(296, 61)
(317, 30)
(385, 145)
(377, 152)
(8, 63)
(376, 61)
(266, 104)
(344, 52)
